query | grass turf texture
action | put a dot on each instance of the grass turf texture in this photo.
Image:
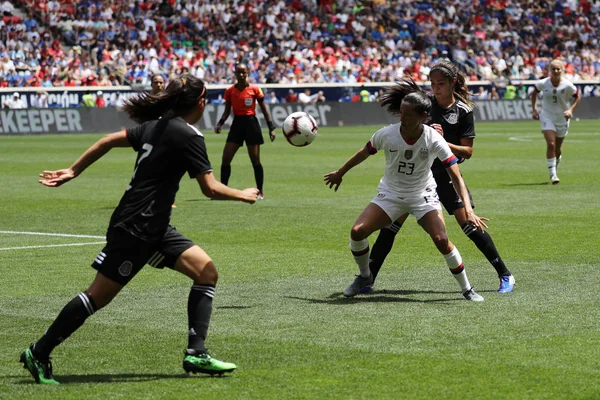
(284, 261)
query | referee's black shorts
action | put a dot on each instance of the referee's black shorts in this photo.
(445, 189)
(245, 128)
(125, 255)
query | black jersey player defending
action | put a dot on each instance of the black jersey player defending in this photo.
(452, 116)
(139, 232)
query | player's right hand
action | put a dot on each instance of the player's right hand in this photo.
(56, 178)
(477, 221)
(218, 128)
(535, 115)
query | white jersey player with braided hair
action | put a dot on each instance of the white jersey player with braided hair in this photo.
(407, 186)
(559, 99)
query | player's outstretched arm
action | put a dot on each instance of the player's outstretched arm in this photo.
(335, 178)
(461, 189)
(91, 155)
(214, 189)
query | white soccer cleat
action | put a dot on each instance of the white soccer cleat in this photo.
(471, 295)
(554, 179)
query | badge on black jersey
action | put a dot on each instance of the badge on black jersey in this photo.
(408, 154)
(451, 118)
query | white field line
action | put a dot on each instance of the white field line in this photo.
(53, 234)
(50, 245)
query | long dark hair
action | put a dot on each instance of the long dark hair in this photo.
(450, 71)
(179, 98)
(393, 96)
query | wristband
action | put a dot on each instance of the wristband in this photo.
(271, 125)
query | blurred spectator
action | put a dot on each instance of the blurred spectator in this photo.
(88, 100)
(15, 102)
(493, 95)
(321, 97)
(510, 92)
(40, 100)
(306, 98)
(364, 94)
(272, 98)
(100, 101)
(522, 92)
(482, 94)
(291, 97)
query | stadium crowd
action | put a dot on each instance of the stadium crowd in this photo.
(107, 43)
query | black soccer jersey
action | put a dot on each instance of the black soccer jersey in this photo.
(456, 120)
(165, 153)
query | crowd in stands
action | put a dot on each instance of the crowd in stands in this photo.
(110, 43)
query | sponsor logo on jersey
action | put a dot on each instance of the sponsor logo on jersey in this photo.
(248, 102)
(125, 268)
(451, 118)
(424, 153)
(408, 154)
(393, 151)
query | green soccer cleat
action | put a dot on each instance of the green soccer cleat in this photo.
(204, 363)
(41, 370)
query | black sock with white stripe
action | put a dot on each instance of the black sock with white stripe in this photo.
(72, 316)
(485, 244)
(199, 312)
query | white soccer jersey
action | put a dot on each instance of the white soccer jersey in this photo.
(556, 99)
(408, 165)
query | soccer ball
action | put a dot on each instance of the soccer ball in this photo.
(300, 129)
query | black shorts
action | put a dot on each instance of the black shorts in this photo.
(245, 129)
(125, 255)
(445, 189)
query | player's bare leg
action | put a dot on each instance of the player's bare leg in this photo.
(433, 223)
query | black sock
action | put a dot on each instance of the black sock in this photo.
(199, 311)
(485, 244)
(382, 247)
(259, 176)
(225, 174)
(72, 316)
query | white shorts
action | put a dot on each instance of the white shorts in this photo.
(561, 128)
(395, 206)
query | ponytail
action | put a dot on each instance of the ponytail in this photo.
(179, 98)
(393, 96)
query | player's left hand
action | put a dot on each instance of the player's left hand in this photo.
(333, 179)
(479, 222)
(272, 135)
(56, 178)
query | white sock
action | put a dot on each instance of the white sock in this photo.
(455, 264)
(551, 166)
(362, 260)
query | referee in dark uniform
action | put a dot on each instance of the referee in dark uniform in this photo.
(139, 232)
(452, 116)
(242, 98)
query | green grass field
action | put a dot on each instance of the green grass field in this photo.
(283, 262)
